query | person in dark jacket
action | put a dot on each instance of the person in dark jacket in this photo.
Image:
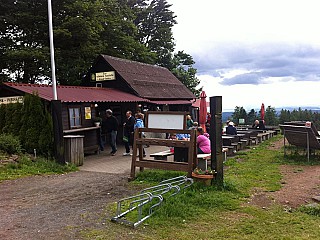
(231, 130)
(111, 125)
(128, 131)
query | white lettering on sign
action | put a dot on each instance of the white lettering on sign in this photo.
(13, 99)
(103, 76)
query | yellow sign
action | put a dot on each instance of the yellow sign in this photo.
(87, 111)
(104, 76)
(13, 99)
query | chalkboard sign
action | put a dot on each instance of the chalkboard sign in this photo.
(166, 120)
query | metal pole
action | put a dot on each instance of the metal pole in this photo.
(284, 142)
(308, 146)
(53, 68)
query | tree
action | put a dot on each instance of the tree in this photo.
(252, 116)
(139, 30)
(154, 22)
(239, 113)
(182, 67)
(271, 116)
(24, 53)
(284, 116)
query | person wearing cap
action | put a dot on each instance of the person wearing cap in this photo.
(111, 127)
(231, 130)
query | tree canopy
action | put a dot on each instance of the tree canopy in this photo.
(139, 30)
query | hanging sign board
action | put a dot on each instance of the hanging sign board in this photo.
(103, 76)
(166, 120)
(13, 99)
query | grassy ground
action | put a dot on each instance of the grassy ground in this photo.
(201, 212)
(27, 167)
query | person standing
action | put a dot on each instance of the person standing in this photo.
(189, 122)
(111, 125)
(139, 124)
(128, 131)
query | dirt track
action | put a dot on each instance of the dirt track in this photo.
(56, 206)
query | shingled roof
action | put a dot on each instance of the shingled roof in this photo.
(149, 81)
(76, 93)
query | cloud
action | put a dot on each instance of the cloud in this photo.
(258, 62)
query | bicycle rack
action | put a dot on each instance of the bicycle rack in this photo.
(146, 196)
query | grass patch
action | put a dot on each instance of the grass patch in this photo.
(26, 167)
(201, 212)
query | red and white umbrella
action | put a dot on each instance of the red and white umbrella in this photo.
(203, 110)
(262, 111)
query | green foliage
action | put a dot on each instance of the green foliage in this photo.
(311, 210)
(271, 116)
(300, 115)
(27, 167)
(36, 129)
(9, 144)
(154, 22)
(30, 122)
(252, 116)
(139, 30)
(239, 112)
(46, 138)
(181, 65)
(156, 176)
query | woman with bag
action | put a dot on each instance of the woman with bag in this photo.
(128, 132)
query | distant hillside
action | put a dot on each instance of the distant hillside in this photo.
(227, 114)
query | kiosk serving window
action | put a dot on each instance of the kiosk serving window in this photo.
(74, 116)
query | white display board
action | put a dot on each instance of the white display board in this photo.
(166, 120)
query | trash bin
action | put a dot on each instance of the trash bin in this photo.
(73, 149)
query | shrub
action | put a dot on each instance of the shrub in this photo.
(10, 144)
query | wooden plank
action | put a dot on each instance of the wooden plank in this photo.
(163, 142)
(80, 129)
(158, 164)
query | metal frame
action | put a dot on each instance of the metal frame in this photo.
(147, 195)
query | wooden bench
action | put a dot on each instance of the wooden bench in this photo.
(301, 136)
(161, 155)
(202, 161)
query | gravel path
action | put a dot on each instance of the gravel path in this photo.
(56, 206)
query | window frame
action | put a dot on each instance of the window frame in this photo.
(74, 117)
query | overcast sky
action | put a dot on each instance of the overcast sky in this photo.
(253, 51)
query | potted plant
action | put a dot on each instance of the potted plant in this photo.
(203, 176)
(97, 121)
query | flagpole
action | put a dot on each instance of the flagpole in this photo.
(53, 67)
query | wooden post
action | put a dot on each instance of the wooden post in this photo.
(216, 138)
(134, 155)
(56, 111)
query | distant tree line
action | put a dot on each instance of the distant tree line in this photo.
(30, 122)
(139, 30)
(273, 118)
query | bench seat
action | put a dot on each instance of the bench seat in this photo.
(161, 155)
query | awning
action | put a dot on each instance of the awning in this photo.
(171, 102)
(77, 93)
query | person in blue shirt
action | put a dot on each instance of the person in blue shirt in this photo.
(139, 124)
(182, 136)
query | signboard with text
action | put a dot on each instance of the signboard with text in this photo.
(103, 76)
(13, 99)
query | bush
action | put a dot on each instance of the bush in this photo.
(9, 144)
